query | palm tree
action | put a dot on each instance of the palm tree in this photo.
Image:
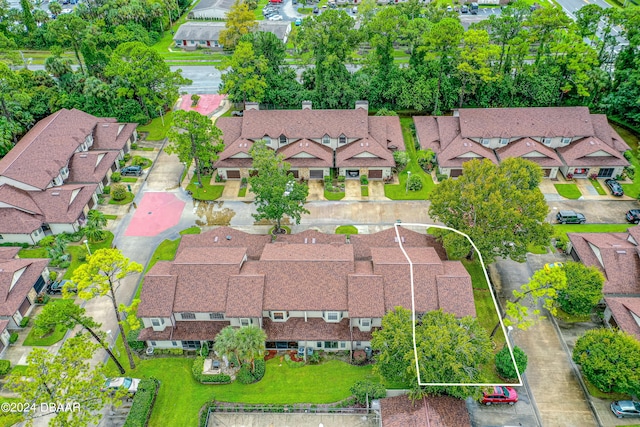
(250, 341)
(95, 222)
(226, 343)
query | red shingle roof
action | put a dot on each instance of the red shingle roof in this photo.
(17, 277)
(591, 151)
(623, 311)
(245, 295)
(436, 411)
(531, 150)
(313, 329)
(91, 166)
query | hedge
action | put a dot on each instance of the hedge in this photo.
(5, 367)
(142, 403)
(132, 339)
(13, 337)
(245, 376)
(196, 370)
(24, 322)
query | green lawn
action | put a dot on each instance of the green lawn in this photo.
(477, 274)
(330, 195)
(77, 251)
(597, 186)
(242, 192)
(538, 250)
(208, 191)
(9, 418)
(190, 230)
(111, 217)
(571, 318)
(33, 253)
(633, 190)
(128, 179)
(51, 338)
(127, 200)
(156, 129)
(399, 191)
(166, 251)
(181, 397)
(364, 191)
(593, 391)
(347, 229)
(563, 229)
(570, 191)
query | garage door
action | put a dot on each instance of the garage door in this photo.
(316, 174)
(233, 174)
(375, 174)
(455, 173)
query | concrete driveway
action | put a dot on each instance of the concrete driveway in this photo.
(596, 211)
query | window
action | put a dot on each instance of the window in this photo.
(319, 344)
(343, 139)
(332, 316)
(1, 238)
(331, 344)
(174, 343)
(343, 344)
(485, 141)
(325, 139)
(283, 139)
(216, 316)
(365, 322)
(546, 141)
(279, 315)
(153, 344)
(565, 141)
(504, 141)
(188, 316)
(245, 322)
(155, 322)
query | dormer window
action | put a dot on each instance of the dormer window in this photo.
(504, 141)
(485, 141)
(343, 139)
(283, 140)
(266, 139)
(326, 139)
(566, 141)
(546, 141)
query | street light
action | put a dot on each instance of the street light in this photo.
(86, 243)
(406, 190)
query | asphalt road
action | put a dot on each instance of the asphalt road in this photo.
(206, 79)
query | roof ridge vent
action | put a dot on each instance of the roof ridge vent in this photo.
(313, 240)
(361, 144)
(55, 193)
(83, 155)
(622, 252)
(305, 240)
(215, 239)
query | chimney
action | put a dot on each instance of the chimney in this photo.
(251, 106)
(362, 104)
(306, 105)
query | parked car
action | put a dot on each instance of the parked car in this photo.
(464, 9)
(129, 384)
(298, 22)
(355, 9)
(449, 9)
(615, 187)
(550, 265)
(131, 170)
(237, 113)
(570, 217)
(626, 408)
(275, 18)
(316, 10)
(500, 394)
(56, 287)
(633, 216)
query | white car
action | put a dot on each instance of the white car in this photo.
(275, 18)
(129, 384)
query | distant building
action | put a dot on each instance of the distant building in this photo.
(206, 35)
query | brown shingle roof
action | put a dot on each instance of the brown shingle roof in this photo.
(366, 296)
(18, 222)
(308, 253)
(614, 255)
(427, 132)
(185, 331)
(218, 238)
(90, 166)
(313, 329)
(311, 237)
(112, 136)
(18, 198)
(65, 203)
(461, 150)
(245, 294)
(375, 154)
(531, 150)
(362, 243)
(157, 295)
(591, 151)
(623, 310)
(436, 411)
(202, 288)
(11, 297)
(38, 157)
(608, 134)
(521, 122)
(8, 252)
(322, 156)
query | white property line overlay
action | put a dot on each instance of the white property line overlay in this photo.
(413, 308)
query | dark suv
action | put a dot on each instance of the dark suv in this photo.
(131, 171)
(570, 217)
(633, 216)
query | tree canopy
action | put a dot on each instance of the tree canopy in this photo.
(498, 206)
(449, 350)
(246, 344)
(584, 289)
(277, 193)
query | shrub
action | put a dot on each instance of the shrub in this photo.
(47, 241)
(22, 245)
(169, 351)
(116, 177)
(118, 192)
(630, 171)
(139, 161)
(628, 155)
(25, 321)
(243, 181)
(327, 179)
(53, 275)
(106, 189)
(194, 100)
(593, 176)
(204, 350)
(364, 388)
(364, 180)
(244, 375)
(359, 357)
(134, 145)
(504, 364)
(441, 177)
(290, 363)
(415, 183)
(13, 338)
(386, 112)
(5, 367)
(142, 403)
(219, 178)
(121, 163)
(401, 158)
(583, 291)
(259, 368)
(132, 340)
(127, 157)
(342, 178)
(314, 357)
(196, 370)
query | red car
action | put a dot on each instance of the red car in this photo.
(500, 395)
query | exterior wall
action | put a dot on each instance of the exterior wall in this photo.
(244, 173)
(147, 322)
(342, 345)
(31, 239)
(17, 184)
(195, 44)
(494, 143)
(617, 170)
(253, 321)
(4, 337)
(305, 314)
(64, 228)
(199, 316)
(164, 344)
(386, 172)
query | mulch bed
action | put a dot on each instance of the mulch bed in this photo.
(270, 354)
(294, 356)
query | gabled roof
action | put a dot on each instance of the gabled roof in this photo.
(160, 289)
(65, 203)
(90, 166)
(211, 30)
(626, 312)
(22, 274)
(591, 151)
(226, 237)
(366, 296)
(434, 411)
(366, 152)
(614, 255)
(38, 157)
(362, 243)
(8, 252)
(316, 155)
(245, 296)
(110, 135)
(15, 221)
(18, 198)
(521, 122)
(608, 134)
(532, 150)
(427, 132)
(462, 150)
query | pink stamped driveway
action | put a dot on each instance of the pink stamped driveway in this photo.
(156, 213)
(206, 105)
